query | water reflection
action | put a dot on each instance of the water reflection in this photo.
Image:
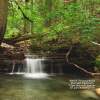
(14, 87)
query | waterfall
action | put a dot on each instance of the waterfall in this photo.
(33, 65)
(13, 67)
(34, 68)
(16, 70)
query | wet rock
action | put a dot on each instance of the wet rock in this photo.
(97, 90)
(89, 94)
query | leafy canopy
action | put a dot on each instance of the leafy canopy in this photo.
(55, 24)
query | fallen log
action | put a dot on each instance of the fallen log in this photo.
(17, 39)
(77, 66)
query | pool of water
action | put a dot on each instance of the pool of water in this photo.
(15, 87)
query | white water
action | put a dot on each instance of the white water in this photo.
(34, 68)
(13, 67)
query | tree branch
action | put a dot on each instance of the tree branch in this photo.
(95, 43)
(23, 13)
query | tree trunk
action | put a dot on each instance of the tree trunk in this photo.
(49, 5)
(3, 18)
(27, 23)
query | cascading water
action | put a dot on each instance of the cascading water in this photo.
(34, 68)
(13, 67)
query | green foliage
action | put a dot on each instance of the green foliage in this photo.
(64, 24)
(98, 61)
(15, 21)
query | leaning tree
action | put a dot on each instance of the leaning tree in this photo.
(3, 18)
